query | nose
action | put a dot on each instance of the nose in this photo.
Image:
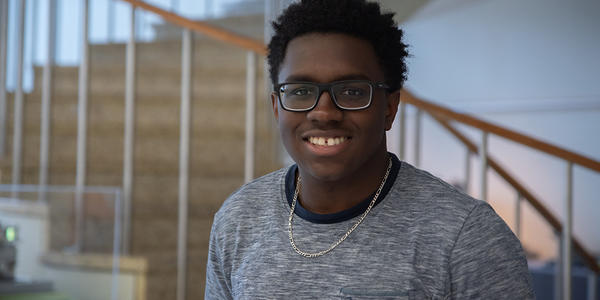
(326, 110)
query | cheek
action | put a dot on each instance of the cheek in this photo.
(287, 127)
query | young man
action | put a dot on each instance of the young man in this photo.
(349, 220)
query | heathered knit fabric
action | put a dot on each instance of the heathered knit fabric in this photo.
(425, 240)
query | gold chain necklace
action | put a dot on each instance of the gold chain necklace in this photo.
(362, 217)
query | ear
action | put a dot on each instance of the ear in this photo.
(393, 99)
(275, 105)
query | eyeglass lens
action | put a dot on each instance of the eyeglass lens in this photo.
(348, 95)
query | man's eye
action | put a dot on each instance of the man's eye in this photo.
(355, 92)
(299, 92)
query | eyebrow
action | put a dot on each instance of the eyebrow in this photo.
(340, 78)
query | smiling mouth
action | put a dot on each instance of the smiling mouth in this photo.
(327, 141)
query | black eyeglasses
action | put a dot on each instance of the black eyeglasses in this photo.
(347, 95)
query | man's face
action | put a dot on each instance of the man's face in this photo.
(358, 136)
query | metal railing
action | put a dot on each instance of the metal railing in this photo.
(444, 115)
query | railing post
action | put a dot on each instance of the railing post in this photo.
(81, 129)
(567, 235)
(110, 22)
(114, 295)
(518, 215)
(34, 30)
(184, 142)
(467, 170)
(558, 269)
(128, 142)
(417, 144)
(484, 164)
(592, 280)
(18, 114)
(47, 99)
(250, 115)
(402, 131)
(3, 51)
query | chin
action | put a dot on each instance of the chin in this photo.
(325, 172)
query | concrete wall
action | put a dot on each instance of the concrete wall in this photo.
(532, 66)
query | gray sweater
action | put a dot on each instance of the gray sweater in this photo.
(423, 240)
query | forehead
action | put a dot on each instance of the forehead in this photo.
(326, 57)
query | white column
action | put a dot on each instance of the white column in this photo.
(18, 114)
(47, 99)
(128, 141)
(484, 164)
(250, 116)
(3, 48)
(81, 128)
(184, 142)
(567, 235)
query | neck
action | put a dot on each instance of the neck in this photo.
(326, 197)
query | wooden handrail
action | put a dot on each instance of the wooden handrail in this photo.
(514, 136)
(589, 259)
(204, 28)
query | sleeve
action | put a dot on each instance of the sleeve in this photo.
(218, 284)
(487, 261)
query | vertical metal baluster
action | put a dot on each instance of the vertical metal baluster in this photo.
(402, 131)
(3, 51)
(81, 129)
(484, 164)
(417, 144)
(114, 295)
(110, 22)
(130, 62)
(518, 215)
(567, 235)
(34, 32)
(592, 280)
(467, 170)
(18, 113)
(47, 99)
(186, 73)
(250, 115)
(558, 269)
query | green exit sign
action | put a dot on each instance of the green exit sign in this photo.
(10, 234)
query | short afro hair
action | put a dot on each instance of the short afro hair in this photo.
(357, 18)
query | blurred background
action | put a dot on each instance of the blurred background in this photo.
(123, 130)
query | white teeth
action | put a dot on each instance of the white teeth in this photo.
(321, 141)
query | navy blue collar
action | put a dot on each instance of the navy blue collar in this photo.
(290, 187)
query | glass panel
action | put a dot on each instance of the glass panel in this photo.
(38, 251)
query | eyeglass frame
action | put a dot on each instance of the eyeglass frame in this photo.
(322, 87)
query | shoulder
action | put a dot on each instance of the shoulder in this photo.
(429, 198)
(470, 238)
(252, 198)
